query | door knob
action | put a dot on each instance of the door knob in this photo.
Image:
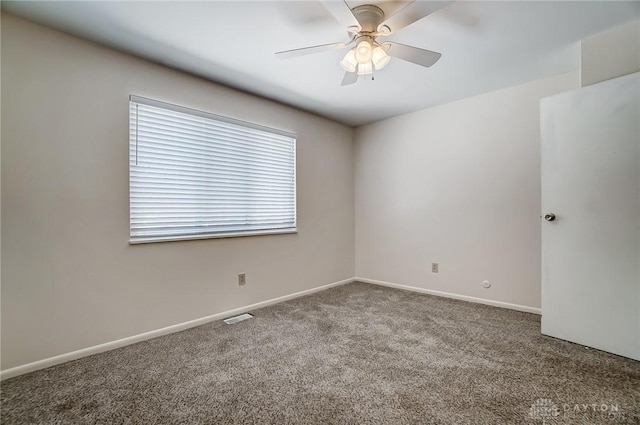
(550, 216)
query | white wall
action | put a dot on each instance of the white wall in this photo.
(458, 184)
(70, 279)
(611, 54)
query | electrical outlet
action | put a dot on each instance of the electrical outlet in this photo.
(242, 278)
(434, 267)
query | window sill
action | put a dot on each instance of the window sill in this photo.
(211, 236)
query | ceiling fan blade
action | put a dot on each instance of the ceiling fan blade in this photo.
(349, 78)
(342, 12)
(286, 54)
(411, 13)
(412, 54)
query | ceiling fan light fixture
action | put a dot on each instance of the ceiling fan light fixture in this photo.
(349, 62)
(365, 68)
(363, 52)
(379, 57)
(365, 23)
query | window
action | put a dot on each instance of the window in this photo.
(196, 175)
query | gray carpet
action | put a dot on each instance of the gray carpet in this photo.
(355, 354)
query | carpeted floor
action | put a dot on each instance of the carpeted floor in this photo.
(354, 354)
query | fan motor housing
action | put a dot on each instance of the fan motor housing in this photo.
(369, 17)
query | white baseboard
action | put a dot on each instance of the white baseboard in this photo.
(518, 307)
(74, 355)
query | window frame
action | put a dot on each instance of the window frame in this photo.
(223, 119)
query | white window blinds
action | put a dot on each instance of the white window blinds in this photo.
(195, 175)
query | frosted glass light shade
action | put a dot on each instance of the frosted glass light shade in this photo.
(365, 68)
(363, 52)
(349, 62)
(379, 57)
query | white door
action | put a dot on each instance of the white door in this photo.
(591, 182)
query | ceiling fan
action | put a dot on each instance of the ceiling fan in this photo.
(365, 23)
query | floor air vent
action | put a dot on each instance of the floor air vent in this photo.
(236, 319)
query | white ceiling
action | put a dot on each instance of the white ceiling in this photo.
(485, 46)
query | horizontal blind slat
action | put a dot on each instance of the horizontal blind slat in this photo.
(193, 120)
(146, 157)
(200, 135)
(175, 173)
(169, 146)
(202, 184)
(201, 140)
